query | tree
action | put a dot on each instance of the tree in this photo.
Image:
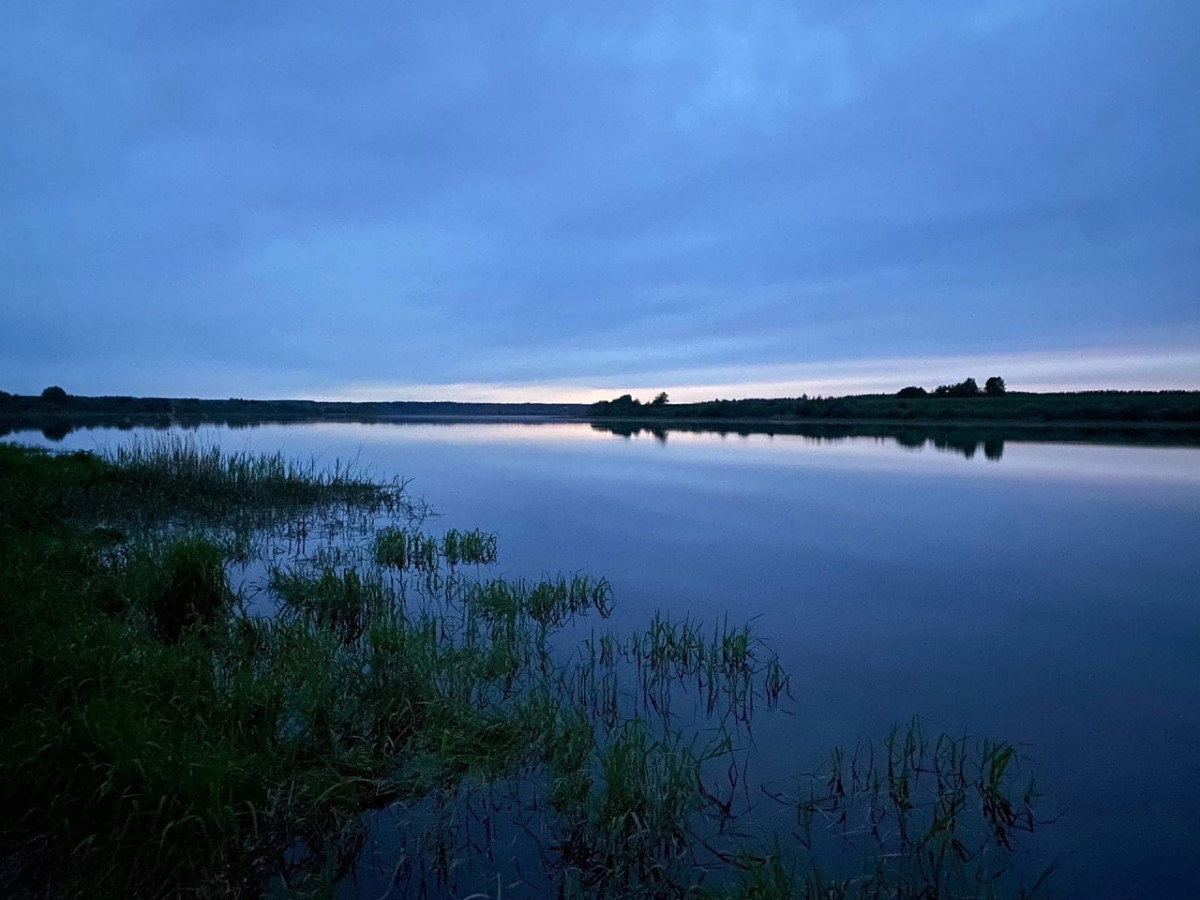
(54, 394)
(994, 387)
(968, 388)
(661, 400)
(911, 391)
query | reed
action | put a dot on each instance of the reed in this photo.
(931, 817)
(472, 547)
(178, 469)
(408, 549)
(550, 602)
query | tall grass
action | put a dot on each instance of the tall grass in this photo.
(192, 470)
(180, 479)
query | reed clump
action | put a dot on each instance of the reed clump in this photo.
(410, 549)
(934, 816)
(178, 480)
(194, 591)
(195, 472)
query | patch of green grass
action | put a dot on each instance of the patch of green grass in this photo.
(409, 549)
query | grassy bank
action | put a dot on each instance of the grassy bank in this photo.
(218, 672)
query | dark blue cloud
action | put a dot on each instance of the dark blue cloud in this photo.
(233, 198)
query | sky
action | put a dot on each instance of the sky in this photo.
(567, 201)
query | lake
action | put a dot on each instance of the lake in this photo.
(1043, 593)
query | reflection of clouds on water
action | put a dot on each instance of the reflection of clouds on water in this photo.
(910, 452)
(906, 451)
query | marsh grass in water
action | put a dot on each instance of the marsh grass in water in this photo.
(161, 735)
(935, 817)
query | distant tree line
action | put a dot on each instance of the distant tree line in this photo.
(57, 413)
(55, 400)
(964, 401)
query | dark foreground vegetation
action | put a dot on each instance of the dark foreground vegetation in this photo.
(948, 403)
(234, 676)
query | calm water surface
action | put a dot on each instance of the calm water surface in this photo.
(1050, 597)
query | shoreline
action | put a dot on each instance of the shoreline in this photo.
(89, 419)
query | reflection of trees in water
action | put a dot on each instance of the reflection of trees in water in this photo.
(968, 442)
(57, 431)
(631, 430)
(965, 439)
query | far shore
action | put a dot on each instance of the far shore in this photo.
(718, 424)
(1175, 415)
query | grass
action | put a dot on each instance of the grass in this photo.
(166, 731)
(194, 590)
(936, 818)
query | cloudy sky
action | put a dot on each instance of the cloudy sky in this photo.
(568, 200)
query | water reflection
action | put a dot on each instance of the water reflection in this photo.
(688, 451)
(964, 440)
(57, 431)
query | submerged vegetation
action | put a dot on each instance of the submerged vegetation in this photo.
(235, 676)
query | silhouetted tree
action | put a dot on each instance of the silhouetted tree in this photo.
(994, 386)
(624, 405)
(54, 394)
(661, 400)
(912, 391)
(968, 388)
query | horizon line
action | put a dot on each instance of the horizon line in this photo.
(1064, 371)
